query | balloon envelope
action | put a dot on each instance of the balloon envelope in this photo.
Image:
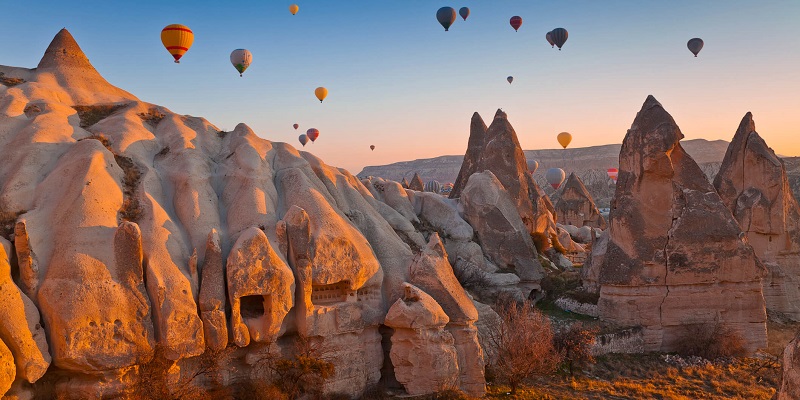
(510, 79)
(372, 147)
(559, 36)
(241, 59)
(446, 16)
(312, 134)
(294, 9)
(550, 39)
(695, 45)
(303, 139)
(533, 165)
(612, 173)
(516, 22)
(464, 12)
(564, 138)
(433, 186)
(321, 93)
(296, 126)
(555, 176)
(177, 39)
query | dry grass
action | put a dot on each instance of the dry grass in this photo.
(90, 115)
(648, 377)
(152, 117)
(131, 209)
(10, 81)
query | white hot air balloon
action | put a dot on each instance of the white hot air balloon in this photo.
(241, 59)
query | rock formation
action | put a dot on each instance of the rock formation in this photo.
(497, 149)
(416, 183)
(422, 352)
(675, 254)
(140, 233)
(752, 183)
(575, 205)
(790, 385)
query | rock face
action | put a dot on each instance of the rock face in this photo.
(423, 354)
(472, 157)
(790, 385)
(575, 205)
(500, 230)
(753, 184)
(675, 254)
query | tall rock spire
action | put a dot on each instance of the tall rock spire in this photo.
(475, 145)
(64, 52)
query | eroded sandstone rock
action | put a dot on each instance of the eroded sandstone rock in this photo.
(675, 255)
(212, 295)
(423, 353)
(752, 183)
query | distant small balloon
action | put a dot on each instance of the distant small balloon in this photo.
(296, 126)
(550, 39)
(303, 139)
(516, 22)
(433, 186)
(372, 147)
(533, 165)
(241, 59)
(695, 45)
(321, 93)
(312, 134)
(564, 139)
(559, 36)
(446, 16)
(464, 12)
(294, 9)
(612, 173)
(555, 176)
(510, 79)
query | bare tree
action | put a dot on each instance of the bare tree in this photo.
(521, 345)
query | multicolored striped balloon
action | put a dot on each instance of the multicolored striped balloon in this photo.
(433, 186)
(177, 39)
(312, 134)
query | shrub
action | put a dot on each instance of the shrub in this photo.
(153, 116)
(711, 341)
(154, 381)
(306, 373)
(520, 345)
(575, 345)
(10, 81)
(102, 139)
(90, 115)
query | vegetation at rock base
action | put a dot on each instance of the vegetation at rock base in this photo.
(90, 115)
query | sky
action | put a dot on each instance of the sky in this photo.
(398, 81)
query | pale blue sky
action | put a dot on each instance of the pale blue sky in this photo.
(399, 81)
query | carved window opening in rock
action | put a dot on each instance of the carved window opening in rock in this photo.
(365, 294)
(334, 293)
(253, 307)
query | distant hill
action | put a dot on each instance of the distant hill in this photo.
(589, 163)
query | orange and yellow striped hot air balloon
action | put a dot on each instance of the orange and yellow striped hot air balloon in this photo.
(177, 39)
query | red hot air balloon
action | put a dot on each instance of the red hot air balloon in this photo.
(550, 39)
(464, 12)
(295, 126)
(516, 22)
(612, 173)
(372, 147)
(312, 134)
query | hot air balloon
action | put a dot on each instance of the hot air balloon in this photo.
(554, 177)
(295, 126)
(433, 186)
(241, 59)
(294, 9)
(464, 12)
(446, 16)
(312, 134)
(612, 173)
(695, 45)
(321, 93)
(564, 138)
(303, 139)
(177, 39)
(516, 22)
(510, 79)
(550, 39)
(372, 147)
(533, 165)
(559, 36)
